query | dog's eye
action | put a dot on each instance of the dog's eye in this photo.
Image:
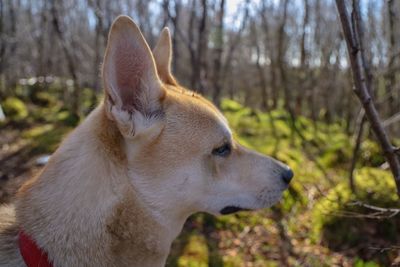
(222, 151)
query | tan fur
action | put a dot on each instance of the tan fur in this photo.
(162, 55)
(120, 187)
(9, 253)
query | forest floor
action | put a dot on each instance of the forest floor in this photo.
(318, 223)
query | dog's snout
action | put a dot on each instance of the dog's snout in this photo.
(287, 175)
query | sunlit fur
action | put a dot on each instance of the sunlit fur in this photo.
(121, 185)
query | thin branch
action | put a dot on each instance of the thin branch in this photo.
(393, 119)
(393, 211)
(356, 150)
(361, 89)
(385, 249)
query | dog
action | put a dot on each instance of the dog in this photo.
(119, 188)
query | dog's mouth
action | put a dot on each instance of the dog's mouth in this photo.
(231, 209)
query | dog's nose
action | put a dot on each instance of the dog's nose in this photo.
(287, 175)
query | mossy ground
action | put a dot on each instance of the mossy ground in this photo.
(316, 224)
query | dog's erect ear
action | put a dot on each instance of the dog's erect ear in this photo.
(163, 55)
(133, 89)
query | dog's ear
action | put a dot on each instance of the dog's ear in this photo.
(133, 89)
(163, 56)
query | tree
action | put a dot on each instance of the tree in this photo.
(352, 32)
(218, 50)
(390, 76)
(69, 55)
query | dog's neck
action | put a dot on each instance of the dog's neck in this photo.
(83, 210)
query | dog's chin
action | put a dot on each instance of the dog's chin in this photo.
(231, 209)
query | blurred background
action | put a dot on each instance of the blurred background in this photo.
(280, 73)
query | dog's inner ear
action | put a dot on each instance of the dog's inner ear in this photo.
(163, 56)
(130, 78)
(129, 72)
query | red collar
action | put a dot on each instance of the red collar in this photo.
(31, 253)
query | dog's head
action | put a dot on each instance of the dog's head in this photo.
(181, 155)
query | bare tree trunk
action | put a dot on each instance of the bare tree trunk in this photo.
(143, 16)
(234, 43)
(175, 19)
(351, 31)
(271, 52)
(358, 138)
(281, 59)
(165, 7)
(68, 55)
(312, 91)
(274, 84)
(303, 61)
(2, 48)
(97, 7)
(263, 82)
(218, 50)
(390, 76)
(198, 50)
(282, 72)
(11, 79)
(195, 77)
(175, 47)
(303, 52)
(202, 48)
(361, 121)
(349, 110)
(42, 69)
(260, 69)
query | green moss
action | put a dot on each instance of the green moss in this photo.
(37, 131)
(89, 100)
(361, 263)
(228, 105)
(15, 109)
(195, 254)
(45, 99)
(293, 197)
(45, 138)
(340, 224)
(69, 119)
(371, 154)
(233, 261)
